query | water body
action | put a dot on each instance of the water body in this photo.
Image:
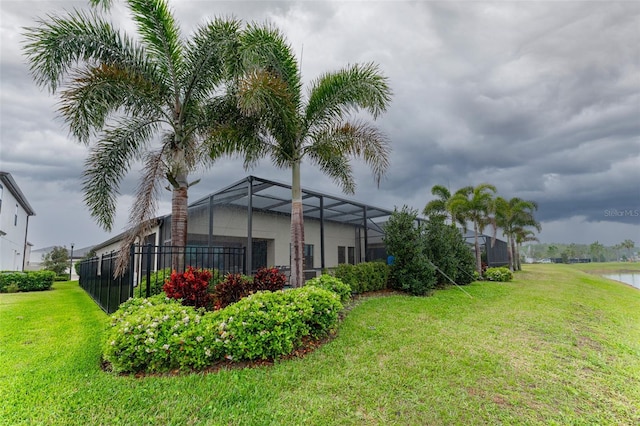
(631, 278)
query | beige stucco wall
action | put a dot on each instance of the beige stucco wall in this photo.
(232, 222)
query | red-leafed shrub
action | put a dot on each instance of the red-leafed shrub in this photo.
(233, 288)
(270, 279)
(192, 287)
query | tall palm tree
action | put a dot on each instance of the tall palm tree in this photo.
(320, 128)
(149, 98)
(513, 216)
(437, 209)
(522, 235)
(474, 204)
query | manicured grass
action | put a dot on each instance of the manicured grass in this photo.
(555, 346)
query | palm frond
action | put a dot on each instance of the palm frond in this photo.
(145, 204)
(264, 47)
(108, 162)
(160, 36)
(95, 93)
(335, 94)
(211, 57)
(332, 163)
(58, 44)
(355, 139)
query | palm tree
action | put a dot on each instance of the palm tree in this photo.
(437, 209)
(474, 204)
(628, 245)
(522, 235)
(513, 216)
(319, 128)
(148, 98)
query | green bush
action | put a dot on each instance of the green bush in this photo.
(447, 250)
(27, 281)
(411, 270)
(156, 281)
(148, 336)
(59, 278)
(363, 277)
(159, 334)
(332, 284)
(498, 274)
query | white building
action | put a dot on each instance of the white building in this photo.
(14, 225)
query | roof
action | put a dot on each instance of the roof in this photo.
(275, 197)
(12, 186)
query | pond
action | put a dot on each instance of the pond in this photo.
(631, 278)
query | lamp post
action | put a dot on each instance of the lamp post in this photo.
(71, 262)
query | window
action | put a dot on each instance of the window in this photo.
(341, 255)
(352, 255)
(15, 218)
(308, 256)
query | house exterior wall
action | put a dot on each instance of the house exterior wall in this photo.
(230, 225)
(13, 227)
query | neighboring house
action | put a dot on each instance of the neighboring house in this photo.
(15, 211)
(34, 262)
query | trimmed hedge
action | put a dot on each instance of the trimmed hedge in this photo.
(331, 283)
(26, 281)
(159, 334)
(498, 274)
(363, 277)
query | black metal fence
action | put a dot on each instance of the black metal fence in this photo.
(97, 275)
(97, 279)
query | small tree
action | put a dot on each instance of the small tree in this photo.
(57, 260)
(411, 270)
(447, 250)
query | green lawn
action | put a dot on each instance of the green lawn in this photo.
(555, 346)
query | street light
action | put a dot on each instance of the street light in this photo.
(71, 262)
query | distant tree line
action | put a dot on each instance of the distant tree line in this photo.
(596, 251)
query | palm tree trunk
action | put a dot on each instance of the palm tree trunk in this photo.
(510, 253)
(179, 203)
(518, 264)
(297, 228)
(477, 246)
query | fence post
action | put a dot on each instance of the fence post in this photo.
(148, 273)
(131, 269)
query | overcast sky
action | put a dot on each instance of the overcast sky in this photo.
(541, 99)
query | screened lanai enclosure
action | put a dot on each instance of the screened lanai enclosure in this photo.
(256, 213)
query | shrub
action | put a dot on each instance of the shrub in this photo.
(59, 278)
(411, 270)
(156, 282)
(191, 286)
(12, 288)
(270, 279)
(326, 309)
(446, 249)
(27, 281)
(498, 274)
(363, 277)
(158, 334)
(233, 288)
(149, 335)
(333, 284)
